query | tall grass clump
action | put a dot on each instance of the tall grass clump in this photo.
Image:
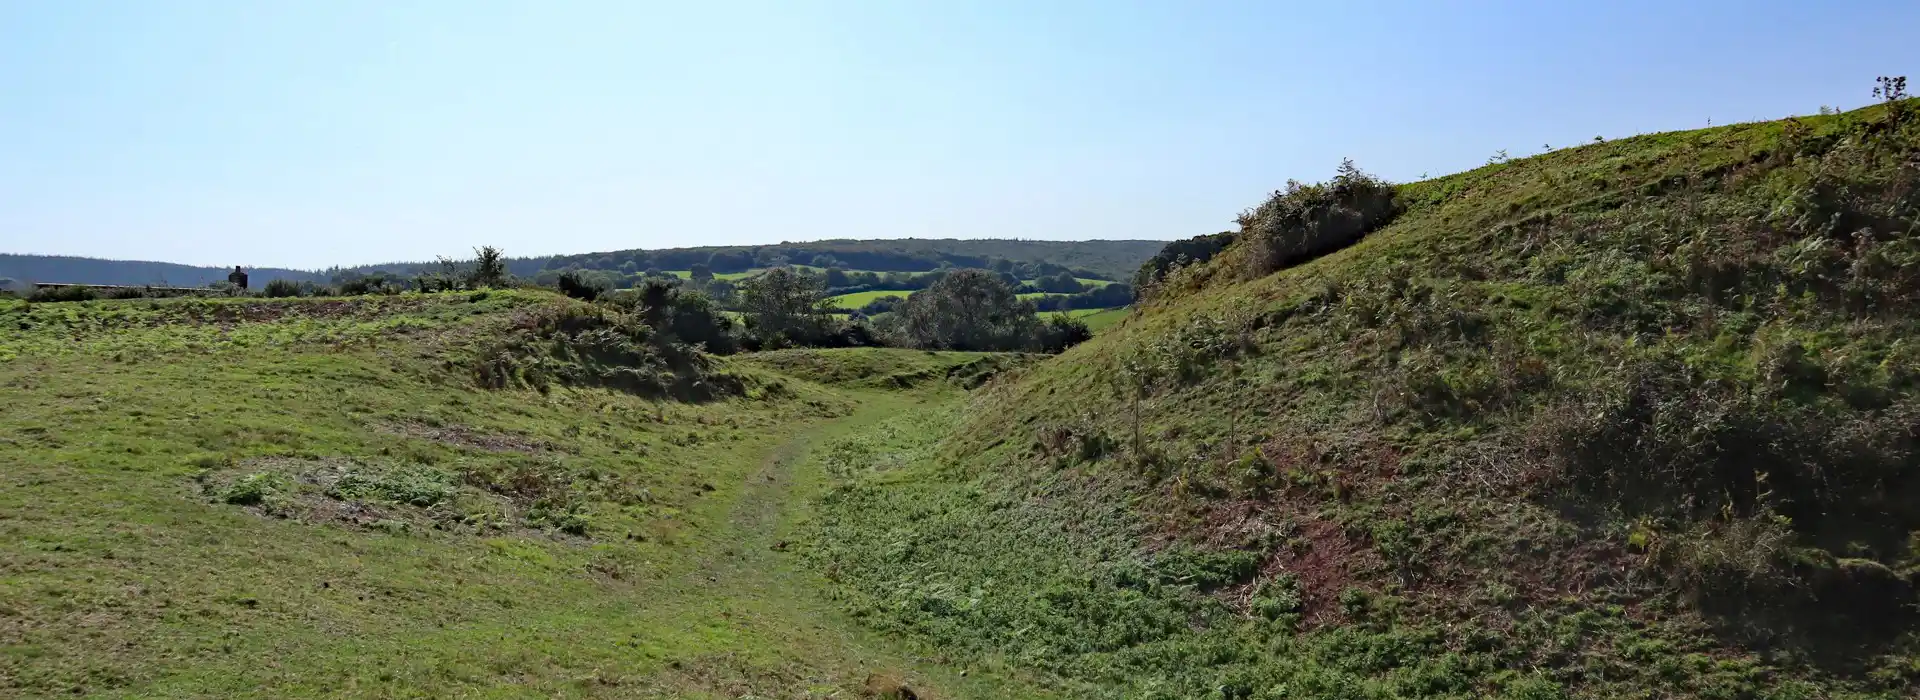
(599, 346)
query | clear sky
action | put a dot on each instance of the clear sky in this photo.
(305, 134)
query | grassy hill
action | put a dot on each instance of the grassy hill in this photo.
(316, 497)
(1635, 419)
(1639, 419)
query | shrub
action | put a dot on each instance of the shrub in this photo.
(281, 288)
(1305, 221)
(253, 489)
(967, 310)
(785, 308)
(574, 284)
(882, 305)
(489, 268)
(1059, 333)
(58, 294)
(684, 316)
(353, 284)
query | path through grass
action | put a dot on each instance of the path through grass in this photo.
(134, 564)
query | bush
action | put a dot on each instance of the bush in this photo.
(254, 489)
(1061, 332)
(1191, 251)
(684, 316)
(574, 284)
(1306, 221)
(967, 310)
(281, 288)
(371, 283)
(597, 345)
(882, 305)
(58, 294)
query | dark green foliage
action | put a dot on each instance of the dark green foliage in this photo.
(1191, 251)
(685, 316)
(67, 293)
(579, 286)
(1060, 332)
(357, 284)
(882, 305)
(967, 310)
(1062, 283)
(1304, 221)
(784, 308)
(489, 268)
(280, 288)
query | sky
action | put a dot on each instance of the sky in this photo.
(307, 134)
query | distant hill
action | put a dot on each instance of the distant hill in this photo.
(1116, 260)
(62, 268)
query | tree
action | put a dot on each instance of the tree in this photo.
(579, 284)
(837, 277)
(967, 310)
(730, 261)
(783, 308)
(1061, 332)
(882, 305)
(824, 260)
(700, 273)
(489, 267)
(1062, 283)
(685, 316)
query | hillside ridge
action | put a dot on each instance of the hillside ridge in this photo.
(1635, 419)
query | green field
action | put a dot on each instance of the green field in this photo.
(859, 299)
(688, 274)
(1098, 319)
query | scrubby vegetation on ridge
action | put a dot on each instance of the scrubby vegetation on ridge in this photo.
(1635, 419)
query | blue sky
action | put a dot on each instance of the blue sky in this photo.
(305, 134)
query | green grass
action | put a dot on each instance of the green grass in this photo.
(1625, 420)
(306, 497)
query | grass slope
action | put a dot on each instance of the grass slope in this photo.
(1629, 420)
(300, 498)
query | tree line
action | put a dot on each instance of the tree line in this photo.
(956, 309)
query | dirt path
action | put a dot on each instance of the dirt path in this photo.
(762, 588)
